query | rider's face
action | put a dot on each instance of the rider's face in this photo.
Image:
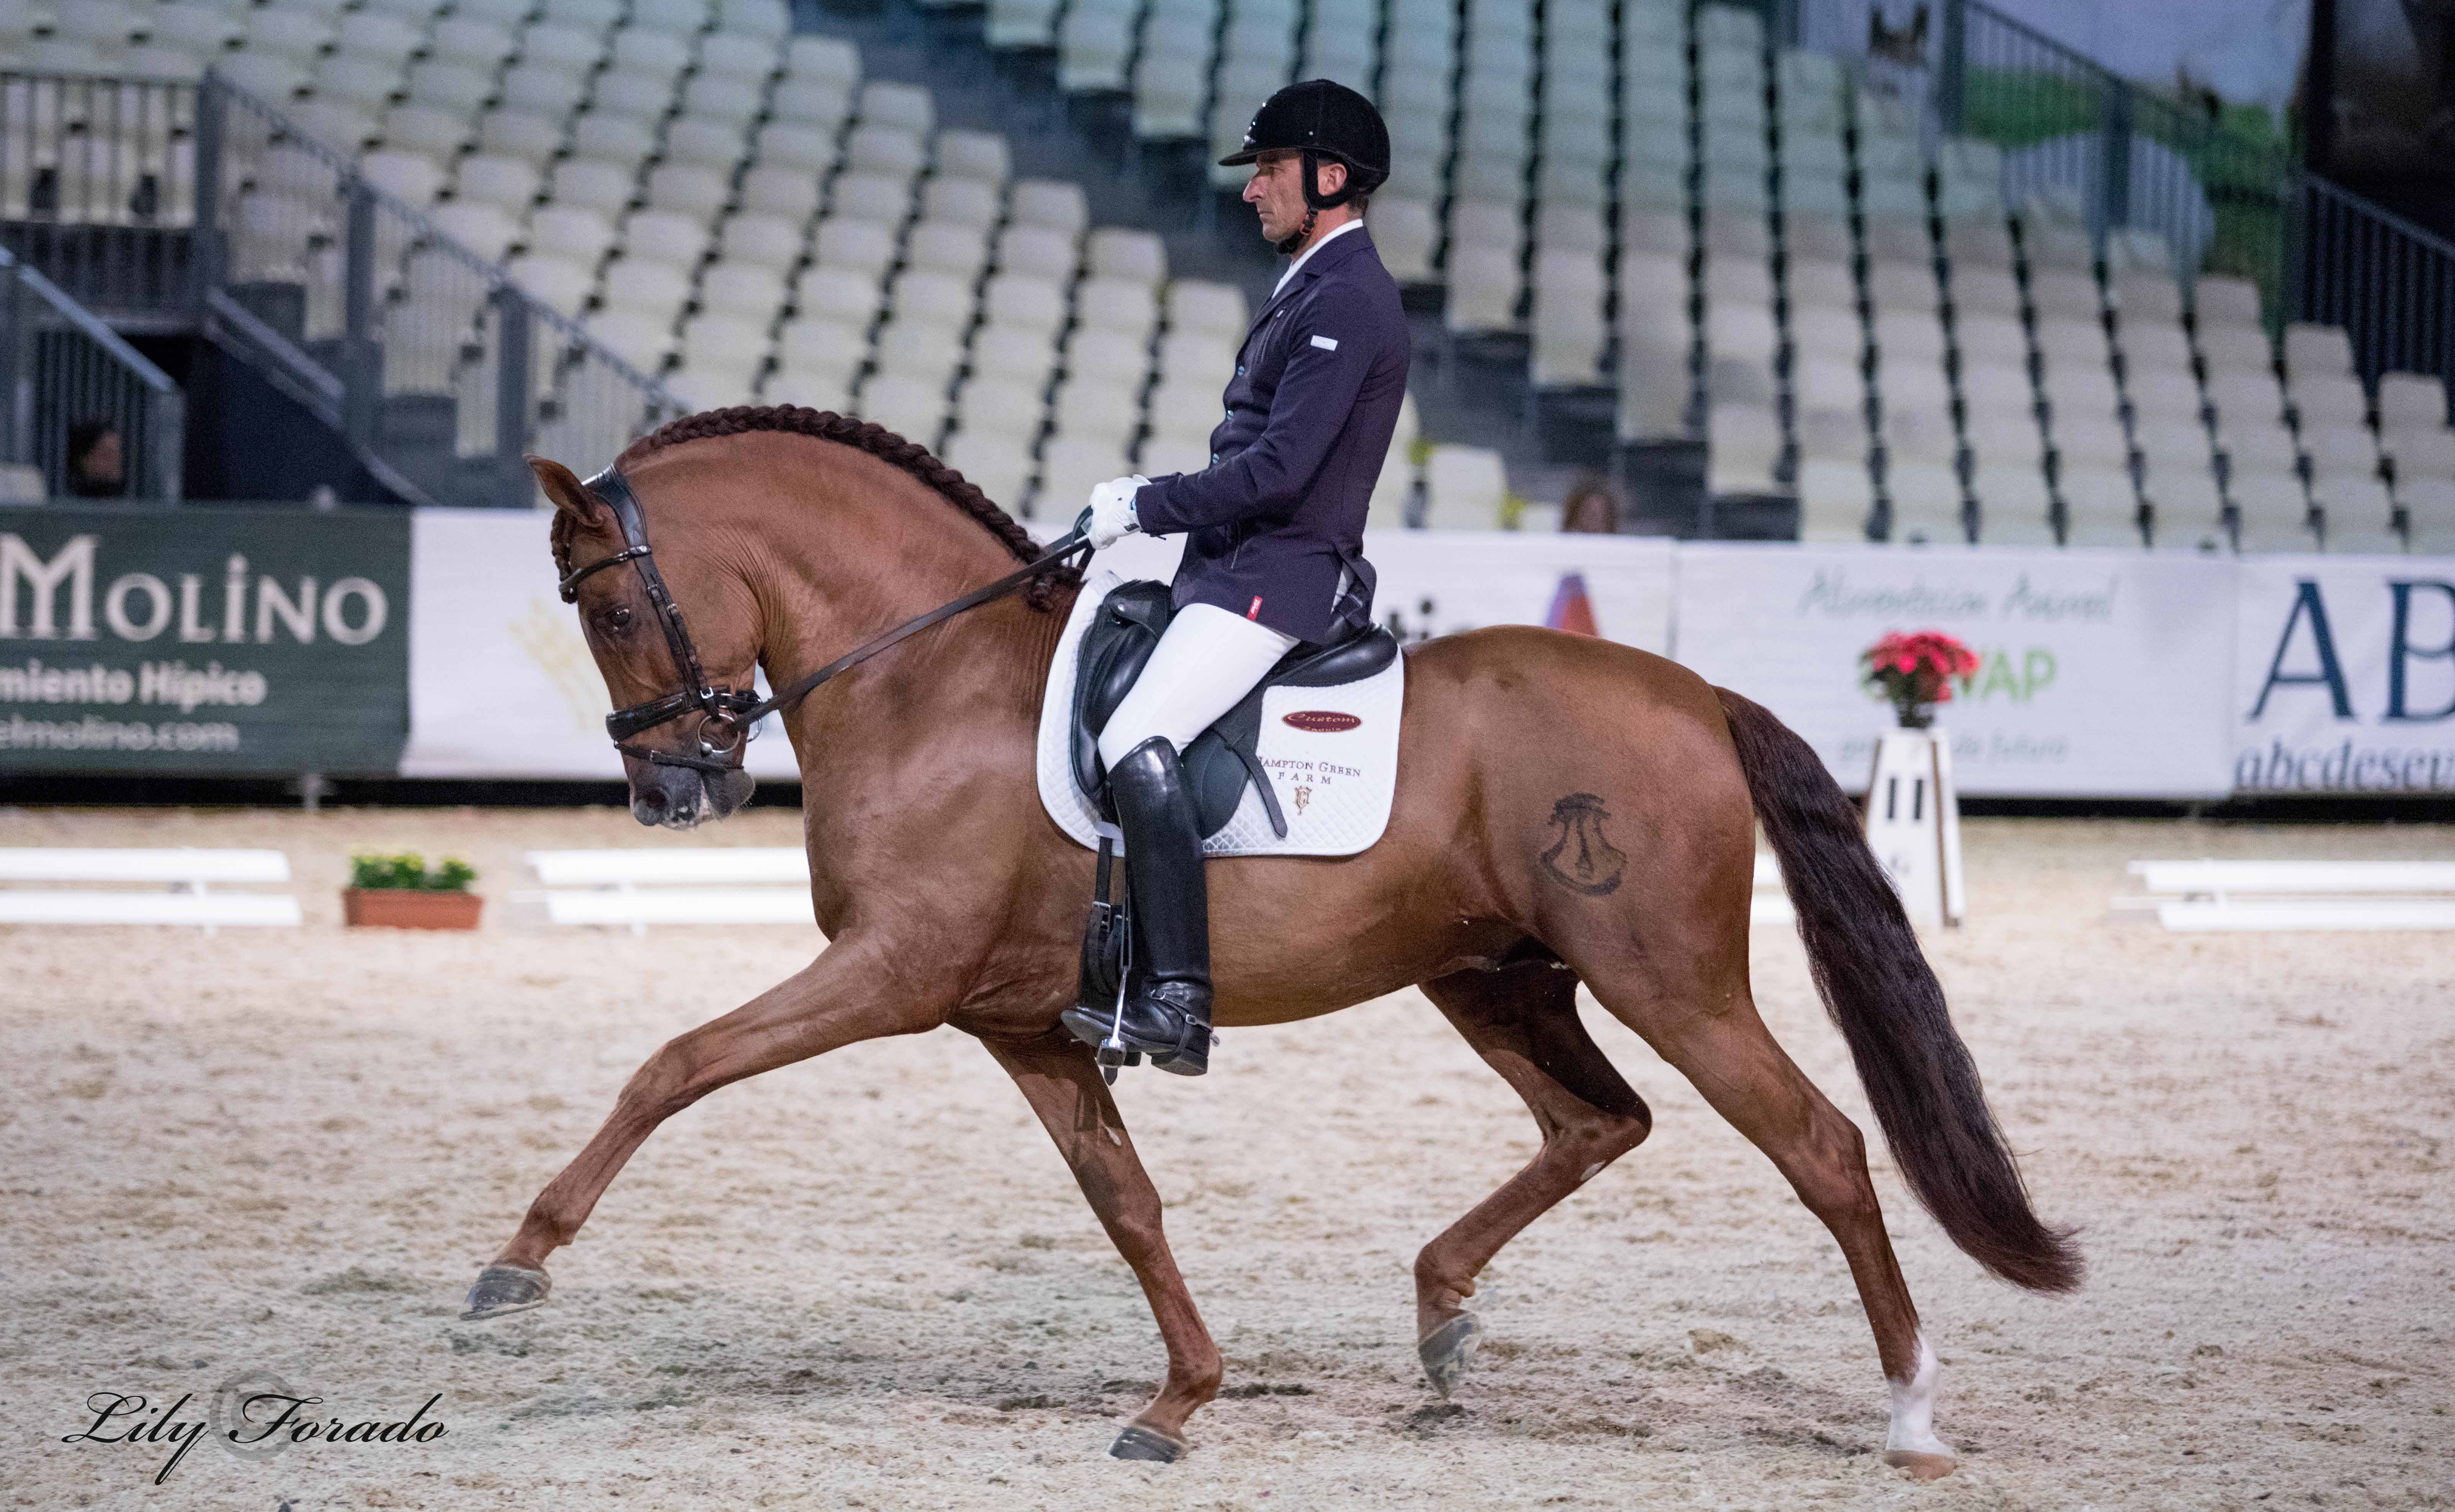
(1276, 191)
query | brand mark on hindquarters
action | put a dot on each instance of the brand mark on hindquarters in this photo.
(1583, 858)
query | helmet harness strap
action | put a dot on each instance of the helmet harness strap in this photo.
(1316, 201)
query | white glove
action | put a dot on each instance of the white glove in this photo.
(1112, 511)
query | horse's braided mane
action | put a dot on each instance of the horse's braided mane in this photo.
(881, 443)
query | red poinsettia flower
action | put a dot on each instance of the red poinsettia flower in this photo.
(1914, 670)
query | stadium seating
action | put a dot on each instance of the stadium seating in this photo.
(1767, 255)
(736, 211)
(1757, 247)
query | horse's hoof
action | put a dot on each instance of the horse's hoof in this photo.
(503, 1289)
(1138, 1442)
(1920, 1466)
(1446, 1350)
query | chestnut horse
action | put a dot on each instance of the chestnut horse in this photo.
(1567, 811)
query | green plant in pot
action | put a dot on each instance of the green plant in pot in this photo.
(399, 892)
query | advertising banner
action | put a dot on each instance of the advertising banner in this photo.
(2101, 674)
(501, 683)
(203, 641)
(2344, 678)
(1619, 586)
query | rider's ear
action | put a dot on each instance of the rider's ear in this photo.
(568, 494)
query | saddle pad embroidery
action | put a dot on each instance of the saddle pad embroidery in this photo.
(1331, 753)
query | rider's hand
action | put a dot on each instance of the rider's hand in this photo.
(1112, 511)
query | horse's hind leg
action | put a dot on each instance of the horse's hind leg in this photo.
(1729, 1056)
(1523, 1022)
(1060, 1081)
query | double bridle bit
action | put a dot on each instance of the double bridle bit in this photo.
(731, 714)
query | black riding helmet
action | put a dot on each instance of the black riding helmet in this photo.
(1321, 119)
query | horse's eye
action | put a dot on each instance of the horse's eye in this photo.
(618, 617)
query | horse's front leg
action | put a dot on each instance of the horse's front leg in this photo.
(1062, 1081)
(849, 994)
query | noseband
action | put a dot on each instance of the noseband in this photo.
(731, 714)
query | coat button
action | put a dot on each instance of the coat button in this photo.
(1214, 459)
(1240, 370)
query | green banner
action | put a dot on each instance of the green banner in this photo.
(203, 640)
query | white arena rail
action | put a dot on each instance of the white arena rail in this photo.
(185, 876)
(2297, 894)
(703, 885)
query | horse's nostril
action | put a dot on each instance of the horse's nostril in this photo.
(653, 801)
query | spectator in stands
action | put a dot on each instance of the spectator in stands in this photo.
(98, 462)
(1591, 508)
(1273, 532)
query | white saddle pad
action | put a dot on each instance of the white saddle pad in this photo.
(1331, 753)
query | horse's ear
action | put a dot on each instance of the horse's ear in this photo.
(568, 494)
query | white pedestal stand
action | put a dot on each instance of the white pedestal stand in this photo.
(1913, 823)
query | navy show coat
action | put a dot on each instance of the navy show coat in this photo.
(1310, 412)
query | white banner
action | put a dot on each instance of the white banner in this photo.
(2344, 678)
(500, 682)
(1619, 586)
(2104, 674)
(2101, 672)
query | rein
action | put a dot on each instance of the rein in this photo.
(732, 712)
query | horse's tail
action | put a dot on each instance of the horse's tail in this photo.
(1878, 988)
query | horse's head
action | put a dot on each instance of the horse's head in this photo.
(681, 751)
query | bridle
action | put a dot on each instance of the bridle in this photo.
(731, 714)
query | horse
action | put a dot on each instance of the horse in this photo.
(1568, 811)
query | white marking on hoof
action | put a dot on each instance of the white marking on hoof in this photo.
(1911, 1444)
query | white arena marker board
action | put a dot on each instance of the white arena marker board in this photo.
(186, 875)
(672, 866)
(207, 910)
(2260, 895)
(2218, 879)
(2310, 912)
(674, 885)
(131, 864)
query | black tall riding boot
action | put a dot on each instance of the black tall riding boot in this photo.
(1168, 1017)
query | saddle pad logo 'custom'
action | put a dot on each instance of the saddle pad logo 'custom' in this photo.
(1321, 721)
(1335, 779)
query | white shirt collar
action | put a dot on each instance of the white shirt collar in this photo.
(1335, 233)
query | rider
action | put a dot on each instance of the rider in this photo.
(1273, 527)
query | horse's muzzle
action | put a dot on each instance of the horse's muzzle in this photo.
(684, 798)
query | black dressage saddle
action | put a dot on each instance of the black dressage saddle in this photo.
(1119, 641)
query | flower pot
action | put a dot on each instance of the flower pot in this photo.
(1915, 716)
(408, 908)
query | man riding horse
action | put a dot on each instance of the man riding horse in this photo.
(784, 535)
(1274, 531)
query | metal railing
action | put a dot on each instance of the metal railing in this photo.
(2390, 284)
(97, 185)
(2073, 133)
(2225, 198)
(65, 373)
(421, 350)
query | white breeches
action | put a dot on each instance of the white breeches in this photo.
(1207, 661)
